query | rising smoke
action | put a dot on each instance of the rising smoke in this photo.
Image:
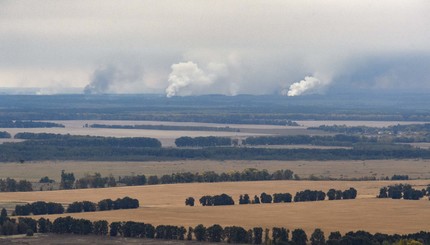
(308, 85)
(187, 78)
(107, 78)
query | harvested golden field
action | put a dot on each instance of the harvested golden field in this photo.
(164, 204)
(335, 169)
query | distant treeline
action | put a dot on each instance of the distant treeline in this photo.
(394, 129)
(41, 207)
(11, 185)
(5, 135)
(301, 196)
(200, 233)
(337, 140)
(203, 141)
(145, 149)
(166, 127)
(61, 140)
(98, 181)
(28, 124)
(404, 191)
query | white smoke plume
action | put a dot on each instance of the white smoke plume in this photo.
(308, 85)
(187, 78)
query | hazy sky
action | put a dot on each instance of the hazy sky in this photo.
(183, 47)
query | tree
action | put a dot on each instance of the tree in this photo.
(245, 199)
(258, 235)
(105, 204)
(3, 216)
(215, 233)
(279, 235)
(54, 208)
(101, 227)
(335, 235)
(265, 198)
(189, 201)
(88, 206)
(46, 179)
(44, 225)
(236, 234)
(256, 200)
(153, 180)
(383, 192)
(200, 233)
(190, 234)
(149, 231)
(317, 237)
(67, 180)
(75, 207)
(331, 194)
(24, 185)
(299, 237)
(23, 209)
(39, 207)
(115, 228)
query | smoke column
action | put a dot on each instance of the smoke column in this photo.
(105, 78)
(309, 84)
(184, 77)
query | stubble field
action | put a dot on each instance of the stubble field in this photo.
(164, 204)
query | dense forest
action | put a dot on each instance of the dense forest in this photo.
(395, 129)
(241, 109)
(336, 140)
(28, 124)
(145, 149)
(62, 140)
(203, 141)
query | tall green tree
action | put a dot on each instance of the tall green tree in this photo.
(299, 237)
(317, 237)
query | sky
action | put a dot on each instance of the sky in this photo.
(193, 47)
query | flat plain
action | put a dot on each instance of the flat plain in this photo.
(164, 204)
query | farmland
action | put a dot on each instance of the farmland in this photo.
(415, 168)
(164, 204)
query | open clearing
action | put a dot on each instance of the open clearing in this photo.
(164, 204)
(336, 169)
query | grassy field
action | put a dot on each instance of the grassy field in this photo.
(336, 169)
(164, 204)
(53, 239)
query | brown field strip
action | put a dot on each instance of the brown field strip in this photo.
(164, 204)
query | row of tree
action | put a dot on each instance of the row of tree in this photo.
(5, 135)
(41, 207)
(203, 141)
(11, 185)
(61, 140)
(336, 140)
(28, 124)
(214, 233)
(216, 200)
(102, 149)
(404, 191)
(301, 196)
(96, 180)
